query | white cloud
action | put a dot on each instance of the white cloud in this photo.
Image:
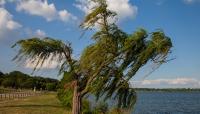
(7, 25)
(123, 8)
(29, 33)
(40, 33)
(6, 20)
(48, 64)
(2, 2)
(191, 1)
(44, 9)
(85, 5)
(178, 82)
(160, 2)
(66, 16)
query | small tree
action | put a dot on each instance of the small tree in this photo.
(106, 66)
(1, 77)
(51, 86)
(1, 74)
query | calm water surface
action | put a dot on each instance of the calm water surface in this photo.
(167, 103)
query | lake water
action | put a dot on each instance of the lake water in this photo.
(167, 103)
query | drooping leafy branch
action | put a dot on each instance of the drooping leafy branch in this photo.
(116, 56)
(106, 66)
(38, 50)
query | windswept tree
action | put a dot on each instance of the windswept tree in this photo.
(106, 66)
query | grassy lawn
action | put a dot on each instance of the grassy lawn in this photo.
(44, 104)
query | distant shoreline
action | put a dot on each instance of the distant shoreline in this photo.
(169, 89)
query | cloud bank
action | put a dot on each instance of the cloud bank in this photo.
(48, 64)
(10, 30)
(44, 9)
(172, 83)
(8, 27)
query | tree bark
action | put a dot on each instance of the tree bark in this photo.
(76, 108)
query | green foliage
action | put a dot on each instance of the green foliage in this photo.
(106, 66)
(65, 97)
(50, 86)
(1, 77)
(119, 111)
(38, 50)
(115, 56)
(99, 12)
(86, 109)
(20, 80)
(7, 83)
(1, 74)
(101, 108)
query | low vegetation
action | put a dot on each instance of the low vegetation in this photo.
(44, 104)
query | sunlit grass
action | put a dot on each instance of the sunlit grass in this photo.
(44, 104)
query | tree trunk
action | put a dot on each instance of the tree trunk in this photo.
(76, 108)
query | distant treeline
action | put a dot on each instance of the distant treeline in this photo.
(168, 89)
(19, 80)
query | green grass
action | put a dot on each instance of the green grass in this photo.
(44, 104)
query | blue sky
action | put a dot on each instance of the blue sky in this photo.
(60, 19)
